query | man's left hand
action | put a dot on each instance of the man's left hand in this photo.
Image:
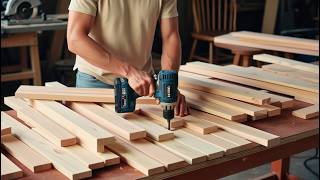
(181, 108)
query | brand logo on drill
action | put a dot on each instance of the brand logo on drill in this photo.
(168, 91)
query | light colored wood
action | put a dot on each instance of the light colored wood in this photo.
(198, 144)
(149, 111)
(217, 109)
(90, 135)
(208, 86)
(27, 156)
(35, 65)
(136, 158)
(255, 83)
(247, 132)
(234, 139)
(40, 123)
(308, 112)
(272, 110)
(168, 159)
(285, 102)
(270, 16)
(287, 62)
(230, 39)
(109, 120)
(109, 158)
(61, 160)
(72, 94)
(278, 40)
(191, 122)
(9, 170)
(190, 155)
(5, 129)
(291, 72)
(230, 103)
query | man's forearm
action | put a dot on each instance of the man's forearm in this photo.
(171, 53)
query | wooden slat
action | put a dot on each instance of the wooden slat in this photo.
(218, 110)
(308, 112)
(208, 86)
(109, 120)
(40, 123)
(20, 39)
(230, 103)
(191, 122)
(285, 102)
(5, 129)
(91, 136)
(17, 76)
(241, 130)
(287, 62)
(136, 158)
(61, 160)
(150, 112)
(198, 144)
(72, 94)
(109, 158)
(27, 156)
(9, 170)
(234, 139)
(272, 110)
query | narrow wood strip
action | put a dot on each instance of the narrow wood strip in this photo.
(272, 110)
(5, 130)
(204, 25)
(27, 156)
(234, 139)
(247, 132)
(61, 160)
(9, 170)
(109, 158)
(308, 112)
(191, 122)
(91, 136)
(40, 123)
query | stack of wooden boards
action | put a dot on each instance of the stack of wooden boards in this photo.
(78, 137)
(199, 76)
(270, 42)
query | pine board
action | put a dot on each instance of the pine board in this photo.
(9, 170)
(308, 112)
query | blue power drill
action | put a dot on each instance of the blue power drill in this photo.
(166, 91)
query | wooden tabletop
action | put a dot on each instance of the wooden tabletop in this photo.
(292, 130)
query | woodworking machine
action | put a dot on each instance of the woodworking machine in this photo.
(166, 92)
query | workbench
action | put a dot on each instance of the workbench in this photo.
(297, 135)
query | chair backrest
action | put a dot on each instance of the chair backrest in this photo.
(214, 15)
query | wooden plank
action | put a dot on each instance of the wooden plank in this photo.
(207, 85)
(272, 110)
(168, 159)
(9, 170)
(220, 100)
(270, 16)
(287, 62)
(136, 159)
(278, 40)
(308, 112)
(212, 151)
(254, 83)
(191, 122)
(285, 102)
(247, 132)
(234, 139)
(40, 123)
(150, 111)
(90, 135)
(72, 94)
(109, 158)
(5, 129)
(17, 76)
(190, 155)
(109, 120)
(291, 72)
(27, 156)
(61, 160)
(232, 40)
(227, 146)
(218, 110)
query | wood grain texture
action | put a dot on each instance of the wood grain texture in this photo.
(9, 170)
(308, 112)
(27, 156)
(272, 110)
(5, 129)
(90, 135)
(61, 160)
(40, 123)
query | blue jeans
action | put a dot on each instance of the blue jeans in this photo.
(87, 81)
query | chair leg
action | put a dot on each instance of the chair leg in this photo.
(236, 59)
(246, 61)
(193, 49)
(211, 53)
(35, 64)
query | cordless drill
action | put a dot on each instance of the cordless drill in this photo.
(166, 90)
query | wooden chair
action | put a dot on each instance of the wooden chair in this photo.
(214, 18)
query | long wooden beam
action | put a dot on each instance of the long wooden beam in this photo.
(308, 112)
(61, 160)
(9, 170)
(40, 123)
(27, 156)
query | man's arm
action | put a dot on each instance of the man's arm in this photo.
(171, 56)
(79, 26)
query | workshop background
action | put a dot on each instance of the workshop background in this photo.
(297, 18)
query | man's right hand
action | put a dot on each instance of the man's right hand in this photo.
(141, 82)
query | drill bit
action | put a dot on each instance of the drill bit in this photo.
(169, 124)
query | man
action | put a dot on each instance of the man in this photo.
(114, 38)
